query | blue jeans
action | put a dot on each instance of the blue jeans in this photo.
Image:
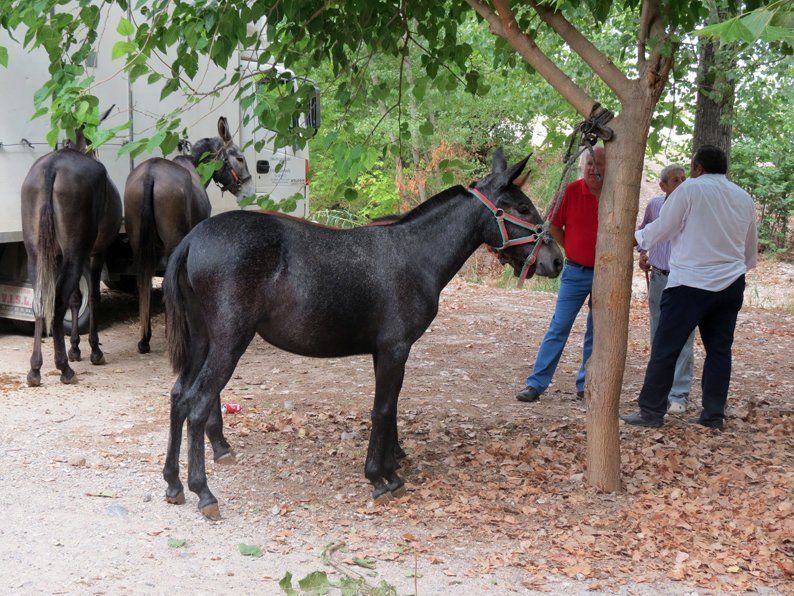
(575, 286)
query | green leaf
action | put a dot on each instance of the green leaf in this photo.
(3, 56)
(155, 141)
(286, 585)
(122, 48)
(315, 583)
(426, 129)
(249, 550)
(366, 563)
(176, 542)
(125, 27)
(52, 137)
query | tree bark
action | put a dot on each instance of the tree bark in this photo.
(617, 218)
(715, 96)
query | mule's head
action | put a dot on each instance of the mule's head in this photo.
(503, 188)
(233, 175)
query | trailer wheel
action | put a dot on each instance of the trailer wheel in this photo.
(83, 314)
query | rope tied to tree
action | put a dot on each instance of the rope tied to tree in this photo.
(584, 137)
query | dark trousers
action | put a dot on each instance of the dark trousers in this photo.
(682, 309)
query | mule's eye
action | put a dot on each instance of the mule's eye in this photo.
(240, 158)
(523, 209)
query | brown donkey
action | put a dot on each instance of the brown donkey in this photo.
(71, 213)
(164, 200)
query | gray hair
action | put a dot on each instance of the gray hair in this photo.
(667, 170)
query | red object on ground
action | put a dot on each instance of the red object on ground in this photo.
(231, 408)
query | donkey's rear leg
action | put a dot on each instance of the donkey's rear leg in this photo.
(97, 357)
(34, 374)
(74, 339)
(202, 395)
(71, 270)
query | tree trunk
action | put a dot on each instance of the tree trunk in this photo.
(419, 173)
(715, 97)
(617, 218)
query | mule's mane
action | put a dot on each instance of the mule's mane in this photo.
(430, 204)
(202, 146)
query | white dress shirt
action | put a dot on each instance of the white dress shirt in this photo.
(710, 223)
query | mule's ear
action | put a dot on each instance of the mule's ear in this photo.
(513, 173)
(499, 163)
(223, 129)
(107, 113)
(521, 180)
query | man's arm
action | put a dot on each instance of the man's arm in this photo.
(751, 245)
(557, 234)
(670, 220)
(646, 219)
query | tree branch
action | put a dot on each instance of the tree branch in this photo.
(595, 59)
(504, 25)
(657, 66)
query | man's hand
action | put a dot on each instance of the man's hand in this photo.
(644, 264)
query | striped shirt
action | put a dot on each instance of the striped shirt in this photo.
(659, 254)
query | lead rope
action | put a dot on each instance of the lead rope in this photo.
(583, 138)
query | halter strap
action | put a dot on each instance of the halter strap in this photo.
(538, 236)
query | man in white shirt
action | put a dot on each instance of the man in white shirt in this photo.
(711, 225)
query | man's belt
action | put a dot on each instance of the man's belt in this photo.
(579, 265)
(664, 272)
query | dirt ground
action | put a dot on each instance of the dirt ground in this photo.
(496, 500)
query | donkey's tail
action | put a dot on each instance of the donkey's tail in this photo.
(175, 287)
(47, 251)
(147, 254)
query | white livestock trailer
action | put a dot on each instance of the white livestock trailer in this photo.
(278, 174)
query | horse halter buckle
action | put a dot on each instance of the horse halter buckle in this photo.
(538, 236)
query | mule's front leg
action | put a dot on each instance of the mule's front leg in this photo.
(381, 465)
(221, 450)
(74, 339)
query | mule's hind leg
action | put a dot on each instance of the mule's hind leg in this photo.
(381, 465)
(221, 361)
(97, 261)
(74, 305)
(34, 374)
(175, 493)
(68, 280)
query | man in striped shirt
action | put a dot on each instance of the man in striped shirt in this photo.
(657, 261)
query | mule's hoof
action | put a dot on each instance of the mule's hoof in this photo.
(97, 358)
(75, 356)
(177, 499)
(34, 379)
(211, 512)
(227, 459)
(143, 348)
(399, 491)
(381, 495)
(68, 378)
(399, 454)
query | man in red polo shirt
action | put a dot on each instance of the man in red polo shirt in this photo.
(575, 227)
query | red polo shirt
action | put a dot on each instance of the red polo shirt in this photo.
(578, 217)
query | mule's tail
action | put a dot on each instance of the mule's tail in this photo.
(147, 253)
(175, 288)
(47, 251)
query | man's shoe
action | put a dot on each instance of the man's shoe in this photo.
(718, 425)
(637, 419)
(676, 407)
(580, 395)
(528, 395)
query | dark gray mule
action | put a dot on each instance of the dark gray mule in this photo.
(71, 213)
(164, 200)
(323, 292)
